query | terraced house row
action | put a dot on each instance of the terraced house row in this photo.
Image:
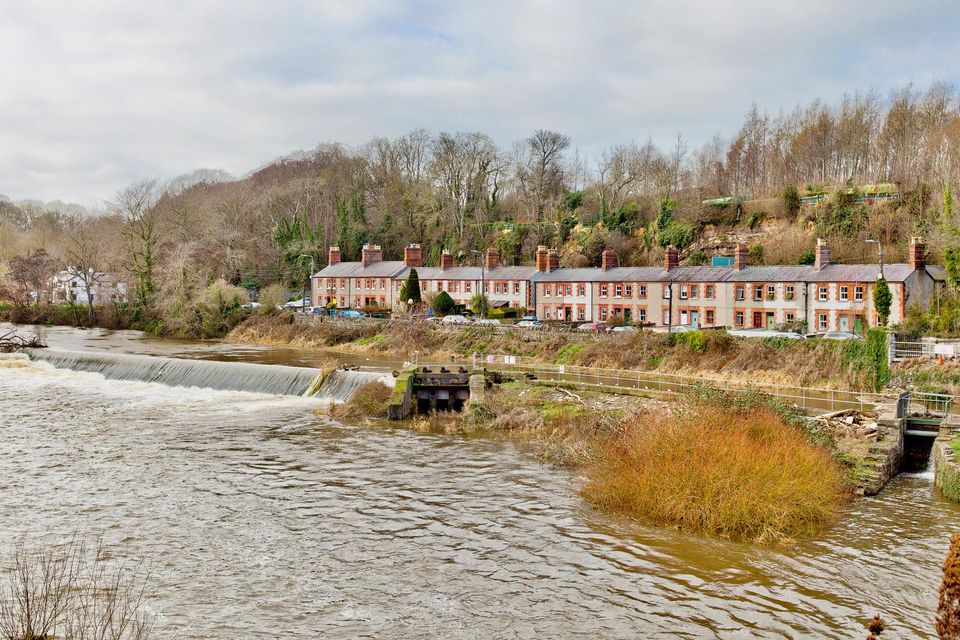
(824, 296)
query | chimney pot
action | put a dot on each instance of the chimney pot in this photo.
(741, 257)
(333, 255)
(609, 260)
(413, 256)
(822, 257)
(542, 262)
(670, 258)
(446, 260)
(917, 257)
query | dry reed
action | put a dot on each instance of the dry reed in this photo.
(739, 475)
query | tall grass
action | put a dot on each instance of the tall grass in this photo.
(369, 401)
(744, 475)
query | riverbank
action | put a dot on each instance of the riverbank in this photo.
(850, 365)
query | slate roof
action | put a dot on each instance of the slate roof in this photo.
(382, 269)
(472, 273)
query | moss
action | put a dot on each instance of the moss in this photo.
(552, 411)
(568, 352)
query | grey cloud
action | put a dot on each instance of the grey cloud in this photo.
(96, 95)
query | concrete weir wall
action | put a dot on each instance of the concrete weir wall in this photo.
(886, 454)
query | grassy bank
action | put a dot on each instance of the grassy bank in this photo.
(714, 354)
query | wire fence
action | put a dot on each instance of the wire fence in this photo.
(809, 400)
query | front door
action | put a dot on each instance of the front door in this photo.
(567, 314)
(694, 319)
(757, 319)
(844, 323)
(858, 326)
(771, 320)
(626, 316)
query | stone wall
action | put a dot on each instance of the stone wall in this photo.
(946, 466)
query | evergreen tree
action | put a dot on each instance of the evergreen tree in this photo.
(410, 291)
(882, 300)
(443, 304)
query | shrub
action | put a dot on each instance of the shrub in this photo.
(948, 607)
(443, 304)
(271, 296)
(745, 475)
(882, 300)
(369, 401)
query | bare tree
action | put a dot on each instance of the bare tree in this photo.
(136, 207)
(84, 263)
(540, 169)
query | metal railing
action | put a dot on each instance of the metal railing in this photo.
(810, 400)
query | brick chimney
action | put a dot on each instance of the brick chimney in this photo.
(609, 260)
(741, 256)
(670, 259)
(413, 256)
(446, 260)
(333, 256)
(543, 262)
(822, 258)
(371, 253)
(492, 259)
(917, 257)
(553, 259)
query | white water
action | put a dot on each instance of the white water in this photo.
(209, 374)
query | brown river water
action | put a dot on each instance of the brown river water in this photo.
(261, 520)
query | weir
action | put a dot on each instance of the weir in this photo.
(211, 374)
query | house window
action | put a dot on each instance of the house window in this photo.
(642, 314)
(858, 293)
(694, 291)
(356, 283)
(822, 321)
(683, 292)
(788, 292)
(466, 287)
(844, 293)
(618, 291)
(581, 313)
(423, 286)
(581, 290)
(822, 293)
(569, 289)
(546, 291)
(628, 291)
(516, 288)
(710, 316)
(771, 291)
(383, 284)
(740, 294)
(683, 317)
(603, 313)
(496, 288)
(603, 291)
(666, 316)
(486, 288)
(789, 317)
(666, 291)
(709, 291)
(758, 292)
(642, 290)
(738, 319)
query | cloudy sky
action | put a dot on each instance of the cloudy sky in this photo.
(94, 95)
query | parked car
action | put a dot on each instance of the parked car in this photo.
(350, 313)
(529, 324)
(592, 326)
(841, 335)
(488, 321)
(252, 305)
(626, 328)
(681, 328)
(456, 319)
(529, 318)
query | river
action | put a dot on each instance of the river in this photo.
(262, 520)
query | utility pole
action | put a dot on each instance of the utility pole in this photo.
(483, 299)
(303, 292)
(879, 254)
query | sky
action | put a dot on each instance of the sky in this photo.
(95, 95)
